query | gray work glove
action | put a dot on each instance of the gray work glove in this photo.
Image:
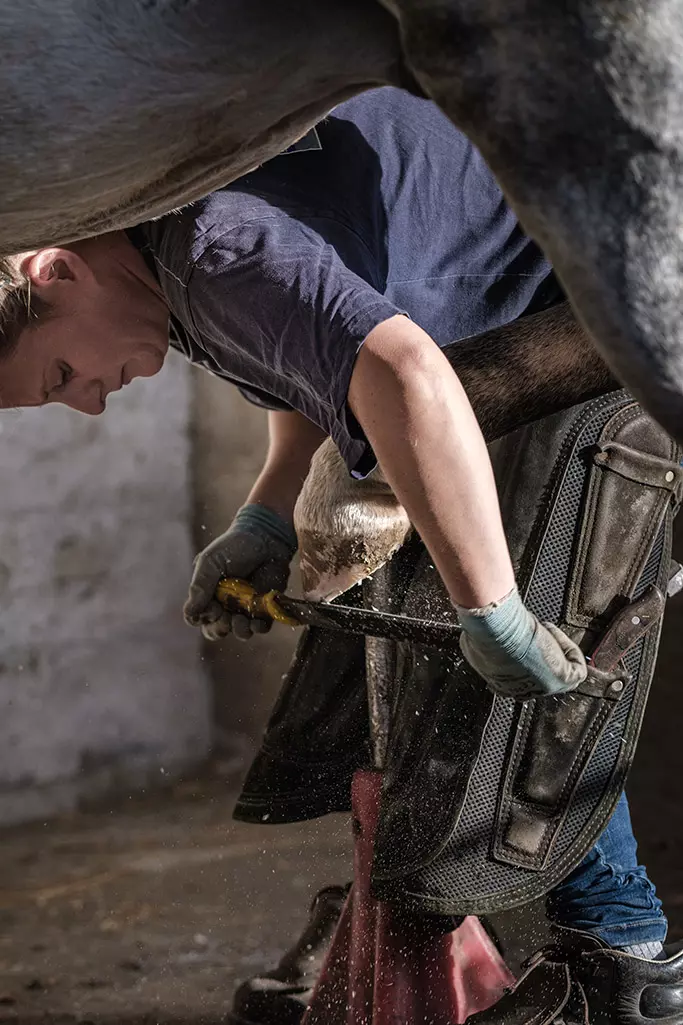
(515, 654)
(258, 547)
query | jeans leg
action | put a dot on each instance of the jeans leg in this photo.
(609, 893)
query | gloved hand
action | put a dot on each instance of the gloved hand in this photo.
(516, 655)
(258, 547)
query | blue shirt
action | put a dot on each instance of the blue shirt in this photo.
(275, 281)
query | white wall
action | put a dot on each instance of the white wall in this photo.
(230, 443)
(101, 684)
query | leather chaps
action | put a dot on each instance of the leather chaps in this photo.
(489, 803)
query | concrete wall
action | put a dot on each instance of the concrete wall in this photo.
(230, 444)
(101, 684)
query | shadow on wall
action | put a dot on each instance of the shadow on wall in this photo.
(230, 441)
(101, 689)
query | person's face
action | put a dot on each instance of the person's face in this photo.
(108, 325)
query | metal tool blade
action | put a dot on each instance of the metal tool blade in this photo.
(345, 619)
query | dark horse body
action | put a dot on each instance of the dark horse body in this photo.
(112, 111)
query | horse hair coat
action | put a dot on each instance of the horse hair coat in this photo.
(112, 111)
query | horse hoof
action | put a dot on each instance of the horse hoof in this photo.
(347, 528)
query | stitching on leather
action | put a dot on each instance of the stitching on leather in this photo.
(544, 1015)
(422, 901)
(417, 863)
(578, 599)
(593, 829)
(586, 529)
(600, 719)
(519, 733)
(647, 541)
(548, 504)
(639, 467)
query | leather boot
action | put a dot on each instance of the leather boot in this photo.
(280, 996)
(578, 980)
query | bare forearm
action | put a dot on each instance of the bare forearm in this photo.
(278, 488)
(293, 440)
(416, 415)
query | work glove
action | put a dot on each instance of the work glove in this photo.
(515, 654)
(258, 547)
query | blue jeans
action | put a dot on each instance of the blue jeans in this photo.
(609, 894)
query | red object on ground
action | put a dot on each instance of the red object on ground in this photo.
(387, 969)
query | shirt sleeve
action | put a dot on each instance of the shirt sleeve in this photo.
(263, 400)
(279, 307)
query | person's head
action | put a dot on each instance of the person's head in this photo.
(78, 322)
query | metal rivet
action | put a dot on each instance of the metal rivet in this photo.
(635, 620)
(669, 475)
(617, 686)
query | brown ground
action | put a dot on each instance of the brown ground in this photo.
(153, 911)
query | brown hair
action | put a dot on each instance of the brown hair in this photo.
(18, 307)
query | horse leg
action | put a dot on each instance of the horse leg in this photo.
(513, 375)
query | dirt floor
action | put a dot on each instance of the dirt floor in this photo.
(153, 911)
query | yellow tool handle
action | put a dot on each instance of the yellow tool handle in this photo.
(240, 595)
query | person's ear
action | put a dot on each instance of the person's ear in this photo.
(47, 269)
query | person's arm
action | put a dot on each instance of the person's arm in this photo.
(417, 417)
(292, 442)
(260, 543)
(299, 324)
(419, 421)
